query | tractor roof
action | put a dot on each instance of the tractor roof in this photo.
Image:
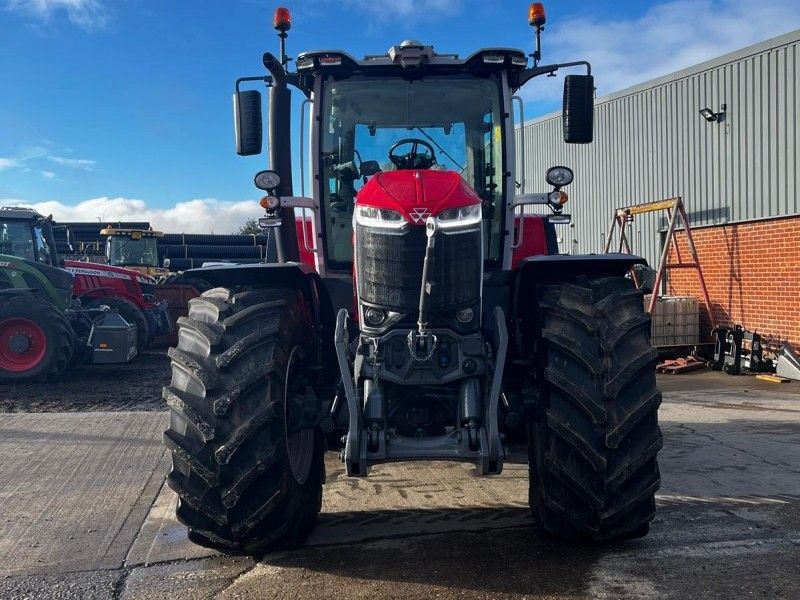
(411, 55)
(132, 233)
(19, 213)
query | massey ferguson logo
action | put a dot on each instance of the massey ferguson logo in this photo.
(420, 214)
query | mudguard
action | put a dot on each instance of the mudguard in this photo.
(279, 275)
(544, 267)
(51, 283)
(541, 269)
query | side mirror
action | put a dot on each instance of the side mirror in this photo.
(370, 168)
(578, 115)
(247, 122)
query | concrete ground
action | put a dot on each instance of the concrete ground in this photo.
(83, 514)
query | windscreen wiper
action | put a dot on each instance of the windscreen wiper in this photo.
(442, 150)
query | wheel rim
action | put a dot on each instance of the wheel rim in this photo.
(23, 345)
(299, 442)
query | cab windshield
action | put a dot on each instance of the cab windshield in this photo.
(460, 118)
(17, 239)
(125, 251)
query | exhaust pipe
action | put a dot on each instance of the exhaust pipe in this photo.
(280, 149)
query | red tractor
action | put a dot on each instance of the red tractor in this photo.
(437, 311)
(130, 293)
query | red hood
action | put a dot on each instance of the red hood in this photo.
(85, 268)
(417, 194)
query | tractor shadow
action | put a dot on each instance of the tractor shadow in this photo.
(727, 487)
(510, 560)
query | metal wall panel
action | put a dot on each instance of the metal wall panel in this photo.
(651, 143)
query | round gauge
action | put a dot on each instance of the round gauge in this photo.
(267, 180)
(559, 176)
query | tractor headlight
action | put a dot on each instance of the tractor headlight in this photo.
(559, 176)
(383, 218)
(374, 316)
(465, 315)
(458, 218)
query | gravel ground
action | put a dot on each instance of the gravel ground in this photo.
(135, 386)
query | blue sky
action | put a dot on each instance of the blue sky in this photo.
(122, 108)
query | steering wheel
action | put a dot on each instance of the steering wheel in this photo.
(413, 159)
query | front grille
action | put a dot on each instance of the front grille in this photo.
(389, 268)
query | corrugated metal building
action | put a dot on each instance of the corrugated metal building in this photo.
(651, 143)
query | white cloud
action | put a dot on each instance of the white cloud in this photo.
(74, 163)
(193, 216)
(667, 37)
(48, 175)
(9, 163)
(89, 14)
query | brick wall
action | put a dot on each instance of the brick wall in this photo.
(752, 271)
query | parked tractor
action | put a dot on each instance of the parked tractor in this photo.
(134, 249)
(436, 308)
(131, 293)
(43, 329)
(128, 283)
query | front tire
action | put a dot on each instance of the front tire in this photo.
(247, 462)
(594, 435)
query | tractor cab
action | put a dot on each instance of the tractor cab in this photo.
(411, 109)
(381, 116)
(28, 255)
(26, 234)
(135, 249)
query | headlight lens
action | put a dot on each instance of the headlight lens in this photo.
(464, 216)
(559, 176)
(267, 180)
(369, 216)
(465, 315)
(374, 316)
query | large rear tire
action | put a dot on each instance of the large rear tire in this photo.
(594, 435)
(36, 341)
(247, 459)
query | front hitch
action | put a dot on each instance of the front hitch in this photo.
(422, 343)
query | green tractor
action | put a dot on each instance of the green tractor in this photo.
(43, 330)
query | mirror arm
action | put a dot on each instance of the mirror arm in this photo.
(526, 75)
(265, 78)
